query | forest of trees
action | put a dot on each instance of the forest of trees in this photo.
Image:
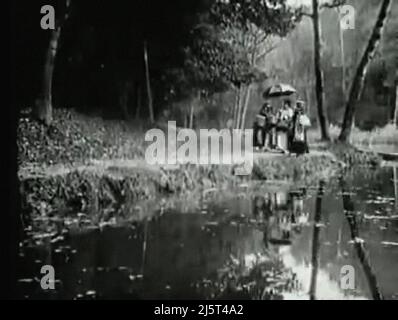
(341, 53)
(209, 60)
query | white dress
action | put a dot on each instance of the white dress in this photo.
(282, 135)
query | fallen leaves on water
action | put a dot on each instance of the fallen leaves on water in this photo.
(389, 244)
(374, 217)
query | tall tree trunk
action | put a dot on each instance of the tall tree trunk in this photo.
(395, 179)
(191, 116)
(245, 107)
(308, 100)
(239, 113)
(359, 78)
(144, 246)
(395, 119)
(192, 110)
(44, 105)
(319, 86)
(319, 83)
(236, 106)
(148, 85)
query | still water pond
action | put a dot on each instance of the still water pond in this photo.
(257, 242)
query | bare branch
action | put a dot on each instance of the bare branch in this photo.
(266, 51)
(302, 12)
(261, 38)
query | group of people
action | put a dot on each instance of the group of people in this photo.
(283, 130)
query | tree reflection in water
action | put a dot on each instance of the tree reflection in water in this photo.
(271, 243)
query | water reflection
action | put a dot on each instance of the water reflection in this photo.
(262, 243)
(349, 212)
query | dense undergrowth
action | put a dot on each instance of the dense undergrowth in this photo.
(75, 138)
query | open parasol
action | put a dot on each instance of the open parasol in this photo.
(279, 90)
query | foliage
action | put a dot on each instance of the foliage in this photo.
(265, 279)
(227, 44)
(73, 137)
(272, 17)
(83, 192)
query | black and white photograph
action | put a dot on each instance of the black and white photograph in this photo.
(205, 150)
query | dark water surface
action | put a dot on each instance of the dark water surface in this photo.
(268, 239)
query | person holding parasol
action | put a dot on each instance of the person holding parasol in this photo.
(282, 123)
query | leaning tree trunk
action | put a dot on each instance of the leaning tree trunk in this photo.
(320, 92)
(44, 106)
(359, 78)
(363, 255)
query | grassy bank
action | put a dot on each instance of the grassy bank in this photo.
(83, 164)
(387, 135)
